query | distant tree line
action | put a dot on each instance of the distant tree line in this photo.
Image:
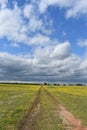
(45, 83)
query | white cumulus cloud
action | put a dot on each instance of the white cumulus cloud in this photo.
(61, 51)
(3, 3)
(73, 8)
(82, 43)
(12, 24)
(40, 39)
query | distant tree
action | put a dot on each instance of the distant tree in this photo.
(78, 84)
(45, 83)
(54, 84)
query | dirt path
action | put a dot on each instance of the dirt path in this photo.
(67, 117)
(28, 121)
(35, 117)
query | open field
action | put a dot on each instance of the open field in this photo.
(33, 107)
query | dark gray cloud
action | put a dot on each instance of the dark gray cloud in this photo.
(43, 67)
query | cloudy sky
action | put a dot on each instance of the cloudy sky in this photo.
(43, 40)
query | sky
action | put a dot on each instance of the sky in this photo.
(43, 41)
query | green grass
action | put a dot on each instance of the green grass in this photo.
(15, 100)
(74, 98)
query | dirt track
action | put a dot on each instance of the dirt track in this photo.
(28, 120)
(67, 118)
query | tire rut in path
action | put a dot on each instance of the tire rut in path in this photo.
(65, 115)
(28, 121)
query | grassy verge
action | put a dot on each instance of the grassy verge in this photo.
(47, 118)
(74, 99)
(15, 100)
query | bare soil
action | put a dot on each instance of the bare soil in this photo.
(28, 121)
